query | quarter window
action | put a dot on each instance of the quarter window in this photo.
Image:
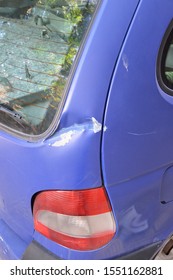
(165, 62)
(39, 41)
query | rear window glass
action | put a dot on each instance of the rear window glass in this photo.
(39, 41)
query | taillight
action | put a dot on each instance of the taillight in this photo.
(80, 220)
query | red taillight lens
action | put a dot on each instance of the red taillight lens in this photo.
(80, 220)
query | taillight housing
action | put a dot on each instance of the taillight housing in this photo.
(80, 220)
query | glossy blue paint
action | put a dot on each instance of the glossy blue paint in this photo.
(115, 128)
(137, 146)
(11, 245)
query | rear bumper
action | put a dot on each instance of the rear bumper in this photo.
(37, 252)
(145, 253)
(12, 247)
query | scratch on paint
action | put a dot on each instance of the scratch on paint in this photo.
(142, 134)
(65, 135)
(125, 62)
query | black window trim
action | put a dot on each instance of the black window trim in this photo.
(164, 47)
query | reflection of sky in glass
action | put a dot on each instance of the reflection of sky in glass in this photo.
(2, 34)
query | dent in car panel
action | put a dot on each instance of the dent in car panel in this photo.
(65, 135)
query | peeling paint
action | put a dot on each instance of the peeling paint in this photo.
(64, 138)
(97, 127)
(65, 135)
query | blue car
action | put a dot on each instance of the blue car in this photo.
(86, 133)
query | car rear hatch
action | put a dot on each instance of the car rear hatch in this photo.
(48, 157)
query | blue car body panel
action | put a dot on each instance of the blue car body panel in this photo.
(137, 145)
(115, 128)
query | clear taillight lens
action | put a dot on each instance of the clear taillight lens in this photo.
(80, 220)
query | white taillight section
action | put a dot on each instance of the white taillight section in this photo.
(82, 226)
(80, 220)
